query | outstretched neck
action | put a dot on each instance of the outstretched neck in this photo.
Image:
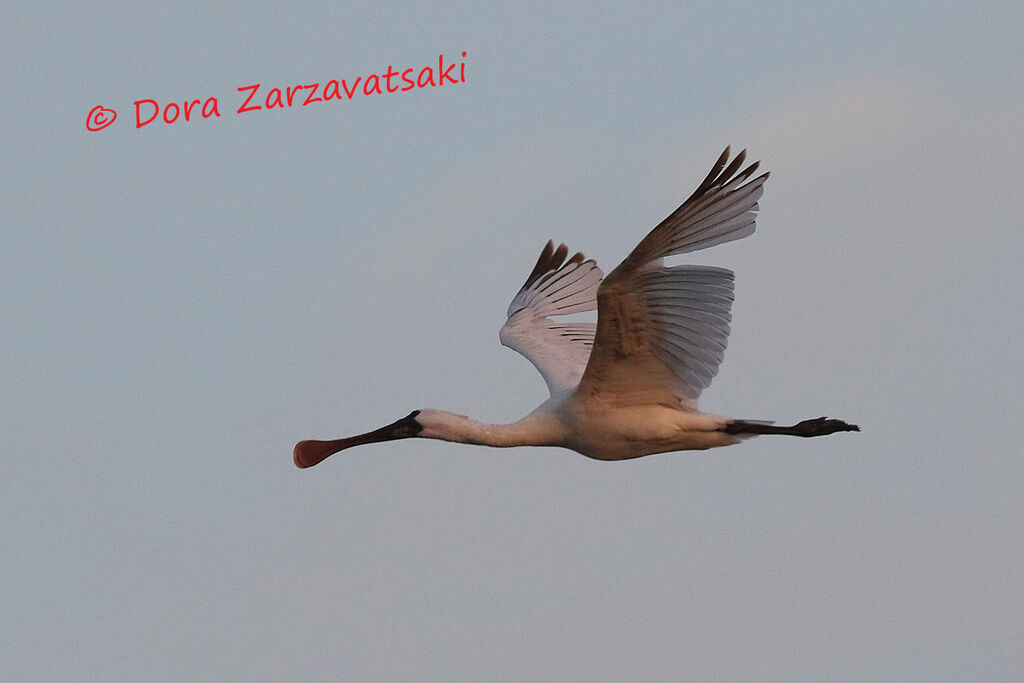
(536, 429)
(539, 428)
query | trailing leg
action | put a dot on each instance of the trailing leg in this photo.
(818, 427)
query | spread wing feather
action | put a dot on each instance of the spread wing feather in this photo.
(662, 332)
(556, 286)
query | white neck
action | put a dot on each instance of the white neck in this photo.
(536, 429)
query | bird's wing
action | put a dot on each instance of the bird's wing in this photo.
(662, 332)
(555, 287)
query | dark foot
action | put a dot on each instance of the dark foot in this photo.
(822, 426)
(818, 427)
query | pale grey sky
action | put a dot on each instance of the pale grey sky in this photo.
(181, 303)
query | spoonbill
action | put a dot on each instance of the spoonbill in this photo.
(628, 385)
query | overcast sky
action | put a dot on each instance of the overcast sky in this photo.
(183, 302)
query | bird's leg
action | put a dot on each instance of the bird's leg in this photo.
(816, 427)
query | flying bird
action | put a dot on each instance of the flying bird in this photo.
(628, 385)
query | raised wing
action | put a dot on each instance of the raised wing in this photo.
(662, 332)
(555, 287)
